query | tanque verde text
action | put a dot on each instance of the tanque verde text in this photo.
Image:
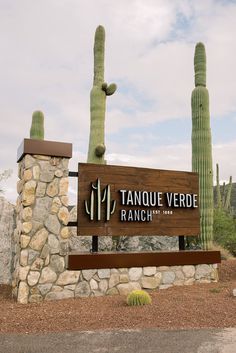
(153, 199)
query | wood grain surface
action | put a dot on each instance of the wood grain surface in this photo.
(179, 221)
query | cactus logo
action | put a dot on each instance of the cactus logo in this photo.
(97, 198)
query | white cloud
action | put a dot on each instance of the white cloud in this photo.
(47, 64)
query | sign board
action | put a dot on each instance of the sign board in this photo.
(115, 200)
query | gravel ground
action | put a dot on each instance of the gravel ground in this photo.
(197, 306)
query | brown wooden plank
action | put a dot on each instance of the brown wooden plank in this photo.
(182, 221)
(45, 148)
(80, 261)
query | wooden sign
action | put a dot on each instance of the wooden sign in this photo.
(115, 200)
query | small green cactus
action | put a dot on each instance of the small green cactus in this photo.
(138, 297)
(37, 126)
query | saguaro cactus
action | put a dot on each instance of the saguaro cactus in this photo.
(223, 200)
(227, 204)
(98, 101)
(202, 146)
(218, 193)
(37, 126)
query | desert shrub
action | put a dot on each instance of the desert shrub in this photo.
(224, 230)
(138, 297)
(225, 254)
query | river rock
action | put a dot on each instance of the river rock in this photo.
(93, 284)
(52, 224)
(23, 293)
(68, 277)
(63, 186)
(104, 273)
(63, 215)
(103, 285)
(168, 277)
(65, 294)
(48, 276)
(114, 280)
(42, 208)
(150, 282)
(28, 195)
(27, 214)
(126, 288)
(33, 278)
(88, 274)
(52, 189)
(57, 263)
(82, 290)
(202, 271)
(135, 273)
(41, 189)
(44, 288)
(38, 240)
(149, 270)
(189, 271)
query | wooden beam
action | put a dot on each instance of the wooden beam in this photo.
(81, 261)
(45, 148)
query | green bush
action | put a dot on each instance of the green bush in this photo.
(225, 230)
(138, 297)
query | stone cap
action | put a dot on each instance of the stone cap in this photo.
(45, 148)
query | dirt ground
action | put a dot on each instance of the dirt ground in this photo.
(197, 306)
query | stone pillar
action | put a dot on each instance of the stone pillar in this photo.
(41, 234)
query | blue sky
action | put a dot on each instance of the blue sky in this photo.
(47, 64)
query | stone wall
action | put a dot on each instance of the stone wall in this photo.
(121, 281)
(41, 235)
(7, 225)
(85, 283)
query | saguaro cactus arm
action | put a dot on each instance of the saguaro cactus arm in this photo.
(37, 126)
(109, 90)
(98, 102)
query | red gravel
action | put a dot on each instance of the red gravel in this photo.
(196, 306)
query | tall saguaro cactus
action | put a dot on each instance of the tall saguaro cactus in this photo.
(202, 145)
(98, 101)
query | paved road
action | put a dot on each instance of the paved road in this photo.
(123, 341)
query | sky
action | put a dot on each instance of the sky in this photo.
(46, 64)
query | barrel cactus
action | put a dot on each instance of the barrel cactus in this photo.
(202, 146)
(98, 95)
(138, 297)
(37, 126)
